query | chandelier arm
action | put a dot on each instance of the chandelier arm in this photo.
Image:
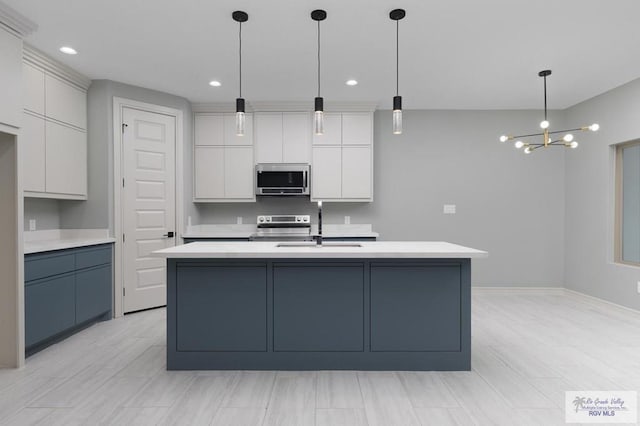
(568, 130)
(526, 136)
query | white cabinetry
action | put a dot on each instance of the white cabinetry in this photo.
(283, 137)
(342, 167)
(223, 161)
(10, 78)
(54, 133)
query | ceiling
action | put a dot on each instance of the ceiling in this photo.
(454, 54)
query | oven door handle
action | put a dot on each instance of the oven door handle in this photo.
(305, 179)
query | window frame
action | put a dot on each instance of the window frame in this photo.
(619, 203)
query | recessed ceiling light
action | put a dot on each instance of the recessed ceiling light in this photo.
(68, 50)
(215, 83)
(351, 82)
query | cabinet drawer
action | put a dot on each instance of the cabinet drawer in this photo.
(49, 308)
(93, 293)
(93, 257)
(41, 266)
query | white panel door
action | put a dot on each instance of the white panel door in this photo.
(148, 205)
(66, 160)
(356, 128)
(296, 137)
(230, 135)
(332, 130)
(209, 129)
(209, 172)
(65, 102)
(238, 173)
(33, 145)
(33, 79)
(326, 172)
(268, 137)
(356, 172)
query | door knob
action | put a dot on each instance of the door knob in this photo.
(168, 234)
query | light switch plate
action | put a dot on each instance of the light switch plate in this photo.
(638, 287)
(449, 209)
(347, 220)
(32, 224)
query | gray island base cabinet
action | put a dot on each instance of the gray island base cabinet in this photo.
(319, 314)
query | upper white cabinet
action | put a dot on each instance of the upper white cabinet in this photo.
(283, 137)
(342, 166)
(64, 102)
(223, 161)
(10, 78)
(54, 134)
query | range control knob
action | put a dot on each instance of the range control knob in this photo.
(260, 219)
(298, 218)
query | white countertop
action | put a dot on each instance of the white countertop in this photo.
(368, 249)
(329, 230)
(58, 239)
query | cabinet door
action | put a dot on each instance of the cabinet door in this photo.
(66, 160)
(332, 130)
(209, 172)
(33, 143)
(238, 173)
(49, 307)
(230, 136)
(65, 102)
(11, 78)
(296, 133)
(356, 172)
(93, 293)
(209, 129)
(356, 128)
(326, 171)
(33, 79)
(268, 137)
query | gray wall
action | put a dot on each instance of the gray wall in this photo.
(46, 213)
(590, 183)
(98, 210)
(508, 203)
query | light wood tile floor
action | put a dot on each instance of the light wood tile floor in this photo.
(529, 346)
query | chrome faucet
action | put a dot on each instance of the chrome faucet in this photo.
(319, 239)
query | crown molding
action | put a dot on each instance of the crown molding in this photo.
(15, 22)
(284, 106)
(39, 59)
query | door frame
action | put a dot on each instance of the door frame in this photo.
(118, 105)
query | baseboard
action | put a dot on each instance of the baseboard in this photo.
(599, 300)
(532, 289)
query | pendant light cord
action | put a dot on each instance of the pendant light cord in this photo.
(240, 56)
(545, 98)
(318, 58)
(397, 56)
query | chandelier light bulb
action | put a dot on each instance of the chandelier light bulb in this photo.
(594, 127)
(504, 138)
(544, 124)
(527, 150)
(573, 144)
(519, 144)
(568, 137)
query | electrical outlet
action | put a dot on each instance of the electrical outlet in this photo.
(347, 220)
(32, 224)
(638, 287)
(239, 220)
(449, 209)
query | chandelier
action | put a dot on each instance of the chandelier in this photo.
(548, 137)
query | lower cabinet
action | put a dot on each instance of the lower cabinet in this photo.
(64, 291)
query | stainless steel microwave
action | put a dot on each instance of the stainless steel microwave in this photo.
(282, 179)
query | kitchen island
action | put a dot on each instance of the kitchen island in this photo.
(363, 306)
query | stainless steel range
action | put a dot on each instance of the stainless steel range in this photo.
(286, 227)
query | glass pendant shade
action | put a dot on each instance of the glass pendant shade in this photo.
(397, 115)
(318, 117)
(240, 118)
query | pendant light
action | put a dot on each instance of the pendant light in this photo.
(567, 140)
(318, 117)
(397, 15)
(240, 17)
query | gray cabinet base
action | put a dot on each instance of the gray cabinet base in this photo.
(329, 314)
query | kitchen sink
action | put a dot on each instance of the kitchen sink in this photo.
(313, 244)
